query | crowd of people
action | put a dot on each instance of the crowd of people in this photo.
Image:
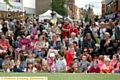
(29, 45)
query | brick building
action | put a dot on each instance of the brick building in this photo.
(103, 7)
(112, 6)
(42, 6)
(74, 12)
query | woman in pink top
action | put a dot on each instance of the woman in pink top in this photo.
(114, 63)
(4, 44)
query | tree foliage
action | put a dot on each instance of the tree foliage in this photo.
(59, 7)
(8, 3)
(86, 18)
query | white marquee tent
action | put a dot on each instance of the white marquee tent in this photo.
(47, 15)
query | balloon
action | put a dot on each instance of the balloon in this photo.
(52, 21)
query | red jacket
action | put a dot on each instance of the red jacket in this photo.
(69, 58)
(64, 34)
(75, 30)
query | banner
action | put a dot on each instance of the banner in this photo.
(16, 6)
(23, 78)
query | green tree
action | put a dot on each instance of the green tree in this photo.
(86, 18)
(59, 7)
(7, 2)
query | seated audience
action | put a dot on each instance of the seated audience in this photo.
(94, 68)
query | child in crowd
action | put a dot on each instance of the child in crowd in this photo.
(6, 60)
(11, 51)
(30, 67)
(12, 64)
(51, 62)
(45, 66)
(100, 61)
(17, 67)
(74, 68)
(37, 64)
(106, 68)
(68, 56)
(22, 61)
(94, 68)
(30, 58)
(61, 62)
(6, 68)
(71, 49)
(84, 64)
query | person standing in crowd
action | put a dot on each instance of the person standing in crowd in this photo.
(94, 28)
(108, 29)
(66, 28)
(101, 30)
(117, 32)
(5, 28)
(87, 30)
(74, 29)
(11, 25)
(111, 24)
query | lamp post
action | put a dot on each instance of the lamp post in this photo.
(89, 8)
(53, 13)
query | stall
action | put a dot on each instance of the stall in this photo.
(47, 15)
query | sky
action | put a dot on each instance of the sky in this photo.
(96, 3)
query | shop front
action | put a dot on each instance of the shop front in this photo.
(14, 12)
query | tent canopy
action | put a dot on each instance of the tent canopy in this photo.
(48, 14)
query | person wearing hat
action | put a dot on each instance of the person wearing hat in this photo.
(51, 62)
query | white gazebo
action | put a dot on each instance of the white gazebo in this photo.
(47, 15)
